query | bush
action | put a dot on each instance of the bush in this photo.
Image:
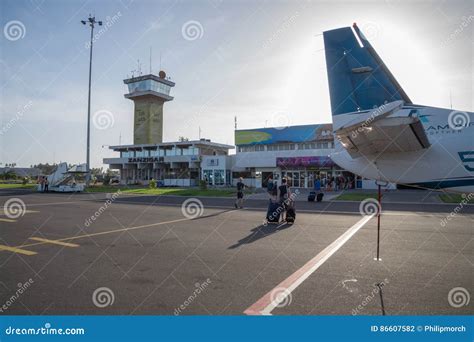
(203, 184)
(25, 180)
(106, 180)
(152, 184)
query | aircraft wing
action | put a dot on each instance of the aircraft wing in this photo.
(376, 132)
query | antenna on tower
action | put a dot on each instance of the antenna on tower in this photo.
(450, 99)
(199, 132)
(235, 122)
(139, 68)
(150, 60)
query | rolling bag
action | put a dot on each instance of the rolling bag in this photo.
(319, 197)
(273, 212)
(311, 196)
(290, 215)
(290, 212)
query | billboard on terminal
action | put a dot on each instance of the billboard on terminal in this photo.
(293, 134)
(312, 161)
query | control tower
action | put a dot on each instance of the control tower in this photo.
(149, 93)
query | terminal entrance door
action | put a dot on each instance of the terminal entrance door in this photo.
(265, 177)
(294, 178)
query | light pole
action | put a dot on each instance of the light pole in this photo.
(91, 20)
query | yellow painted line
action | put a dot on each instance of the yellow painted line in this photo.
(7, 220)
(115, 231)
(109, 232)
(16, 250)
(55, 242)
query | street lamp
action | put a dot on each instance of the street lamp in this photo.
(91, 20)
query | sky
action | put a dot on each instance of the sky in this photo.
(260, 61)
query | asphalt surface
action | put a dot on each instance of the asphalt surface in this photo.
(155, 259)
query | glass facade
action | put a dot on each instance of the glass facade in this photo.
(286, 147)
(219, 177)
(215, 177)
(144, 153)
(149, 85)
(208, 176)
(174, 151)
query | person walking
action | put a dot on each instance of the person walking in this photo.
(240, 194)
(270, 186)
(317, 185)
(41, 182)
(46, 185)
(283, 194)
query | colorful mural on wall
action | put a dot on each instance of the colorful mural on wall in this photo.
(293, 134)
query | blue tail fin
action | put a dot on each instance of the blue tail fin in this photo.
(358, 78)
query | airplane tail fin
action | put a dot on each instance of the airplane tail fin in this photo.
(358, 78)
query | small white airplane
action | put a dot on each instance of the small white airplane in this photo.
(381, 134)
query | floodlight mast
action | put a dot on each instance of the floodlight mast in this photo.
(91, 20)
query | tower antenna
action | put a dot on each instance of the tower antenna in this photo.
(150, 61)
(139, 68)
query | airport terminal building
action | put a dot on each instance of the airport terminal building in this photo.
(299, 153)
(173, 163)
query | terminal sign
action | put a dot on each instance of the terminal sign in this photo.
(305, 161)
(144, 160)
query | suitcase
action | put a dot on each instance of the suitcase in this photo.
(319, 197)
(273, 212)
(311, 196)
(290, 215)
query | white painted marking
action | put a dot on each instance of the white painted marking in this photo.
(267, 303)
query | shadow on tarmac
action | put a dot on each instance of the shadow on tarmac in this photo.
(260, 232)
